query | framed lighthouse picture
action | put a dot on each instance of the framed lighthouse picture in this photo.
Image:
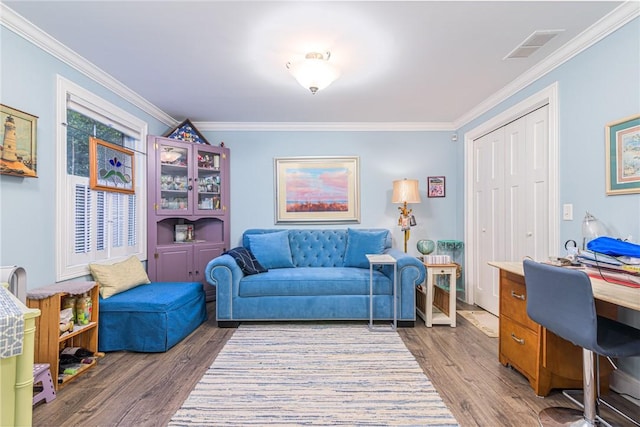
(18, 138)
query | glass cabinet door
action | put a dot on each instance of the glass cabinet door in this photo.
(208, 180)
(174, 179)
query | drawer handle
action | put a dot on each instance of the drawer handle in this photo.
(516, 339)
(520, 297)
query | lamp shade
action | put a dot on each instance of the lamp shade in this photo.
(591, 228)
(405, 190)
(314, 72)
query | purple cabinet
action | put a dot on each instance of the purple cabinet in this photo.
(188, 209)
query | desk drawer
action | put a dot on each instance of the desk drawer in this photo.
(518, 345)
(513, 302)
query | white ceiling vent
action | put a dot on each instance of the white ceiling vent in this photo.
(532, 43)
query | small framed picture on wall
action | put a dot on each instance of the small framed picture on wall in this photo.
(622, 159)
(435, 186)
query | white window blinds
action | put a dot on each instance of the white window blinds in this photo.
(95, 226)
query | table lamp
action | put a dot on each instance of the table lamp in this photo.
(591, 228)
(405, 191)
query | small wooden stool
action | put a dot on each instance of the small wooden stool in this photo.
(42, 374)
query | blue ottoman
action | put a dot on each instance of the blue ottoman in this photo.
(152, 317)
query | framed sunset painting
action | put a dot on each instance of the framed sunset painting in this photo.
(317, 190)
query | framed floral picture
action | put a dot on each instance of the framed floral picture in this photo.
(111, 167)
(18, 150)
(317, 190)
(435, 186)
(623, 156)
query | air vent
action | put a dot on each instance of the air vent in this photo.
(532, 43)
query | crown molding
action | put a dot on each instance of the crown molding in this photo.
(25, 29)
(617, 18)
(325, 126)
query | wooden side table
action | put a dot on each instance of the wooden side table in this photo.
(438, 318)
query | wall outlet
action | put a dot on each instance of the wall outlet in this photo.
(567, 212)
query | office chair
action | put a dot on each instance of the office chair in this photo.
(561, 300)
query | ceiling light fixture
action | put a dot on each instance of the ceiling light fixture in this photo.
(314, 72)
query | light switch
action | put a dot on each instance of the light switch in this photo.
(567, 212)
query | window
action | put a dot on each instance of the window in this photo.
(94, 226)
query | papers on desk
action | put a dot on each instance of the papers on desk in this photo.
(590, 257)
(627, 264)
(613, 277)
(609, 268)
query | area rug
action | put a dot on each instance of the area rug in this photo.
(483, 320)
(304, 374)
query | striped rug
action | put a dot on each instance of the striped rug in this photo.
(304, 374)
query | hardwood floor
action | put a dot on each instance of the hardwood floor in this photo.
(145, 389)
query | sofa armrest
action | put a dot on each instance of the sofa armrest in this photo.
(406, 260)
(407, 263)
(411, 272)
(223, 273)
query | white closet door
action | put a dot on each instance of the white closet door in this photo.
(511, 188)
(515, 189)
(489, 200)
(537, 218)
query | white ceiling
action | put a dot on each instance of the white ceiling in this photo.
(401, 61)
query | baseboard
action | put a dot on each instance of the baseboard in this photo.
(621, 382)
(228, 324)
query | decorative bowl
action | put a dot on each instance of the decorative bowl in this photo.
(425, 247)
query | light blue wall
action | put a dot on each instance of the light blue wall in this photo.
(384, 157)
(27, 205)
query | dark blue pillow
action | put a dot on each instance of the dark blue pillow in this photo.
(246, 261)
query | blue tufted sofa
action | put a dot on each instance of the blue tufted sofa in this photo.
(318, 285)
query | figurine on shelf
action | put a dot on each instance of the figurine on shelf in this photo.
(186, 131)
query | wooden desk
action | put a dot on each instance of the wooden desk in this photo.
(545, 359)
(622, 296)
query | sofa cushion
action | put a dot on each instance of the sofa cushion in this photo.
(272, 250)
(246, 260)
(119, 277)
(314, 281)
(360, 243)
(318, 248)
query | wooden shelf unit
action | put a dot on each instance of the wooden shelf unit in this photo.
(187, 184)
(48, 340)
